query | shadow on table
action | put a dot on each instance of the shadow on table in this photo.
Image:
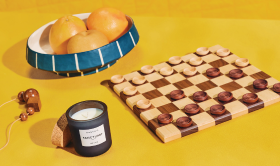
(15, 59)
(105, 83)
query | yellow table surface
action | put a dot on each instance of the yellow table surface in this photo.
(252, 139)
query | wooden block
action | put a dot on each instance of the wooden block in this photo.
(175, 78)
(231, 58)
(160, 101)
(213, 92)
(177, 114)
(149, 115)
(205, 105)
(160, 66)
(271, 81)
(225, 69)
(269, 97)
(203, 68)
(119, 87)
(35, 102)
(236, 108)
(221, 80)
(167, 89)
(168, 133)
(61, 135)
(189, 91)
(239, 93)
(182, 102)
(249, 70)
(145, 88)
(133, 100)
(153, 77)
(210, 58)
(203, 120)
(245, 81)
(130, 76)
(198, 79)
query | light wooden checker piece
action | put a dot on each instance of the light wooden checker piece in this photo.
(157, 89)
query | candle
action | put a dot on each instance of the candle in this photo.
(86, 114)
(89, 127)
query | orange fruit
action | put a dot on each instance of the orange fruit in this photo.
(86, 40)
(62, 30)
(109, 21)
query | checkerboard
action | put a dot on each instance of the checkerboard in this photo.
(157, 89)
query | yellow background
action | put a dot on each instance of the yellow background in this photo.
(167, 28)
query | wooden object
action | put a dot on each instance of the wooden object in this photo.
(117, 79)
(260, 84)
(175, 60)
(202, 51)
(276, 87)
(217, 109)
(242, 62)
(192, 109)
(250, 98)
(147, 69)
(61, 135)
(190, 71)
(157, 89)
(184, 122)
(23, 116)
(196, 61)
(165, 118)
(225, 96)
(177, 94)
(213, 72)
(130, 90)
(223, 52)
(32, 99)
(200, 96)
(166, 71)
(138, 80)
(144, 104)
(236, 73)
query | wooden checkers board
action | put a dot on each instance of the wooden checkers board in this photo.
(157, 89)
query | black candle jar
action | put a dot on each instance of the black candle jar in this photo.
(90, 137)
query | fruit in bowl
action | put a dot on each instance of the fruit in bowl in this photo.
(62, 30)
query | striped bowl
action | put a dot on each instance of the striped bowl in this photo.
(40, 55)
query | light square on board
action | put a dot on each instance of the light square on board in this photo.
(168, 133)
(203, 68)
(149, 115)
(269, 97)
(236, 108)
(119, 87)
(225, 69)
(161, 65)
(214, 91)
(145, 88)
(189, 91)
(231, 58)
(215, 48)
(175, 78)
(205, 105)
(187, 57)
(167, 89)
(177, 114)
(182, 102)
(130, 76)
(160, 101)
(133, 100)
(179, 68)
(203, 120)
(239, 93)
(249, 70)
(153, 77)
(271, 81)
(198, 79)
(210, 58)
(221, 80)
(245, 81)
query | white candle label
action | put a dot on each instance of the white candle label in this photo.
(93, 137)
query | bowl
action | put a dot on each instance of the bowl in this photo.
(40, 55)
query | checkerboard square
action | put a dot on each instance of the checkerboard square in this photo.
(152, 94)
(203, 120)
(187, 57)
(271, 81)
(179, 68)
(182, 102)
(260, 75)
(249, 70)
(167, 89)
(210, 58)
(221, 80)
(177, 114)
(153, 77)
(231, 86)
(133, 100)
(236, 109)
(245, 81)
(203, 68)
(189, 91)
(130, 76)
(168, 133)
(231, 58)
(205, 105)
(149, 115)
(145, 88)
(160, 83)
(221, 118)
(215, 48)
(269, 97)
(182, 84)
(214, 91)
(175, 78)
(161, 65)
(160, 101)
(253, 106)
(218, 63)
(239, 93)
(168, 108)
(225, 69)
(206, 85)
(119, 87)
(198, 79)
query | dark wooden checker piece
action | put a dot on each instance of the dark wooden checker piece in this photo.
(211, 77)
(276, 87)
(260, 84)
(224, 102)
(172, 100)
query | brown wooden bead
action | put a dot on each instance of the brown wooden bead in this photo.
(23, 116)
(20, 96)
(30, 110)
(30, 92)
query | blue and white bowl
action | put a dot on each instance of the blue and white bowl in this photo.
(40, 55)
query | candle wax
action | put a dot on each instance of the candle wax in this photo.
(86, 114)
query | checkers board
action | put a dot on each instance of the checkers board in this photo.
(157, 89)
